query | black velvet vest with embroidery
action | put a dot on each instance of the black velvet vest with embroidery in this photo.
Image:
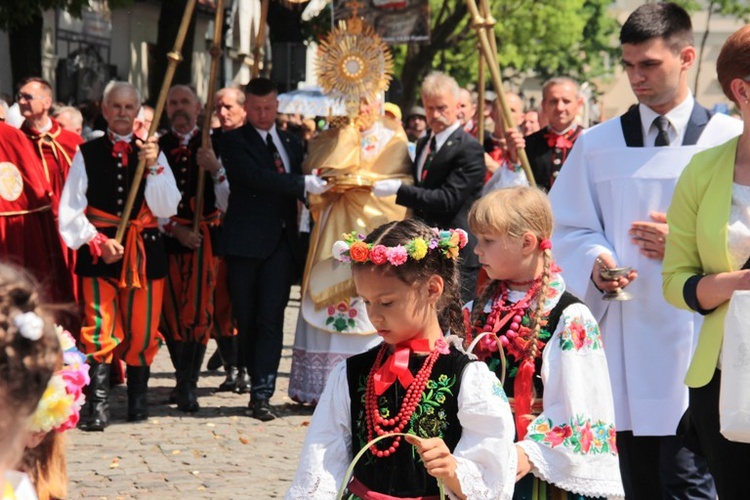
(403, 474)
(185, 169)
(108, 188)
(553, 318)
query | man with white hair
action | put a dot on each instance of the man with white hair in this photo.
(69, 118)
(230, 110)
(449, 171)
(122, 286)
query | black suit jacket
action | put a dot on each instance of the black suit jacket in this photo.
(262, 202)
(454, 181)
(633, 132)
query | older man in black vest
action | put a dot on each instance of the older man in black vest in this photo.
(121, 286)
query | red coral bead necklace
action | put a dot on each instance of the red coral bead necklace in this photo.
(379, 426)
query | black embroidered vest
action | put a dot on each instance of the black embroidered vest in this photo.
(403, 474)
(108, 188)
(185, 169)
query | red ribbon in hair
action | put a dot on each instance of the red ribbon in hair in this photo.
(396, 367)
(545, 244)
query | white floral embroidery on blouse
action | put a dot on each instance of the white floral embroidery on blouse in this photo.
(571, 444)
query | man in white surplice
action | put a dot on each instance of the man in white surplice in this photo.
(609, 203)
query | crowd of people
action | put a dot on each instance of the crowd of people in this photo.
(445, 329)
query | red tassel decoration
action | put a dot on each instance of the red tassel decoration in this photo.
(522, 392)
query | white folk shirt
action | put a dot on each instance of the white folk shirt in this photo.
(161, 195)
(604, 188)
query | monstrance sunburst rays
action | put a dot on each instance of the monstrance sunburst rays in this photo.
(354, 63)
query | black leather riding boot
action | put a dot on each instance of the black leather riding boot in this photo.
(95, 412)
(138, 392)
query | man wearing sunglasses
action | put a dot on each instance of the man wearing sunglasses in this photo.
(54, 145)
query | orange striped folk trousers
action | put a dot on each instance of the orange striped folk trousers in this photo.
(223, 321)
(188, 311)
(126, 319)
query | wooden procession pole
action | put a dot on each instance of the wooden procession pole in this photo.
(480, 99)
(200, 188)
(174, 58)
(482, 25)
(260, 39)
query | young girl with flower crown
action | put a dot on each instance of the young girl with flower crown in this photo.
(58, 411)
(417, 382)
(29, 352)
(546, 345)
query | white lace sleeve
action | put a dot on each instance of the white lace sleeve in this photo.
(485, 453)
(327, 450)
(162, 195)
(74, 226)
(572, 443)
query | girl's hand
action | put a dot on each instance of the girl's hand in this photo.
(524, 465)
(436, 457)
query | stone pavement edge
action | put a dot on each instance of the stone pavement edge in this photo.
(218, 453)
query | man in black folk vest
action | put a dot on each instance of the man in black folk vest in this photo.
(122, 284)
(187, 318)
(548, 148)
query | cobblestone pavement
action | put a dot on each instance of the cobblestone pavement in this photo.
(218, 453)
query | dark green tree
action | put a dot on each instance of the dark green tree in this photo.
(732, 8)
(542, 37)
(23, 22)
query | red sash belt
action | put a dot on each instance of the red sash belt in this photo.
(133, 273)
(365, 493)
(203, 265)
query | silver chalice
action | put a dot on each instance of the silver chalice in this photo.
(612, 274)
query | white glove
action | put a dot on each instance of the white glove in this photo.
(315, 185)
(387, 187)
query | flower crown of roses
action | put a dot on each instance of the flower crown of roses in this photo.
(60, 406)
(353, 248)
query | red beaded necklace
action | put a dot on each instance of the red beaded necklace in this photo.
(376, 424)
(513, 312)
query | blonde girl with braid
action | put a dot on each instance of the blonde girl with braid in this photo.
(545, 345)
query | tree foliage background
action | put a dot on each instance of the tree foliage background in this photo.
(576, 38)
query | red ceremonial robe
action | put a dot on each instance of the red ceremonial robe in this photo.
(56, 149)
(28, 232)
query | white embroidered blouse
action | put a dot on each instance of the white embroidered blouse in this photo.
(571, 444)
